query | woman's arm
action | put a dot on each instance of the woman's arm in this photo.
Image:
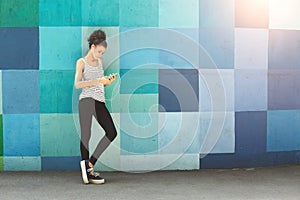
(78, 83)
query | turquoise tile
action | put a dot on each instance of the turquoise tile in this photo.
(179, 13)
(59, 136)
(108, 14)
(139, 81)
(178, 133)
(22, 139)
(60, 13)
(60, 47)
(139, 103)
(139, 133)
(17, 13)
(283, 130)
(22, 163)
(139, 13)
(60, 84)
(215, 13)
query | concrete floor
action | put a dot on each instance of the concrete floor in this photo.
(282, 183)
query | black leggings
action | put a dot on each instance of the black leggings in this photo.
(88, 107)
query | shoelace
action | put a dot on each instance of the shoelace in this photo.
(93, 173)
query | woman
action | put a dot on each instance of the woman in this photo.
(90, 77)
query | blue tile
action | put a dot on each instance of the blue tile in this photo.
(250, 132)
(283, 89)
(19, 48)
(60, 47)
(284, 49)
(215, 161)
(219, 44)
(174, 88)
(283, 130)
(251, 90)
(61, 163)
(21, 89)
(23, 139)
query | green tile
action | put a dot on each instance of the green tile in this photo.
(1, 136)
(60, 84)
(108, 14)
(59, 136)
(136, 103)
(1, 163)
(139, 13)
(19, 13)
(139, 81)
(60, 12)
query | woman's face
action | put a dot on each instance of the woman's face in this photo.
(98, 51)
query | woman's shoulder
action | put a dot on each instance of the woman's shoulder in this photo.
(80, 64)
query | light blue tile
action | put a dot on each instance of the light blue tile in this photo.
(178, 133)
(283, 130)
(216, 84)
(22, 139)
(185, 162)
(22, 163)
(60, 47)
(217, 132)
(19, 94)
(251, 88)
(179, 13)
(216, 13)
(219, 44)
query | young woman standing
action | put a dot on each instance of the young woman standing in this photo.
(90, 77)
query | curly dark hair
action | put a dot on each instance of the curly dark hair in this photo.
(98, 37)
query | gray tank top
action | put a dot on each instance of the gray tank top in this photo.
(92, 73)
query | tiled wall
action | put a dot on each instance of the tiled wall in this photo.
(203, 83)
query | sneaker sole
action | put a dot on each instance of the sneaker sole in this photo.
(97, 181)
(83, 172)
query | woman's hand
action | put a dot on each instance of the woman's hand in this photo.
(107, 80)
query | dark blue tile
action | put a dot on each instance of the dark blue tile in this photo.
(178, 90)
(250, 132)
(283, 89)
(19, 48)
(61, 163)
(21, 93)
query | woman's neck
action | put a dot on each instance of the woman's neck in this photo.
(90, 57)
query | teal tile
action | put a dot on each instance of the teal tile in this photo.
(108, 15)
(139, 13)
(1, 164)
(1, 136)
(179, 13)
(17, 13)
(1, 111)
(59, 136)
(139, 81)
(139, 103)
(60, 13)
(22, 163)
(60, 47)
(60, 85)
(185, 162)
(139, 133)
